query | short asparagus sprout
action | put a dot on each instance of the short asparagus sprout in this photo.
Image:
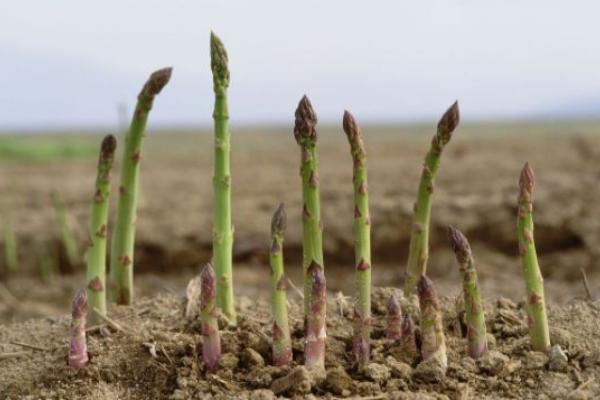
(96, 253)
(476, 331)
(408, 339)
(123, 238)
(11, 250)
(393, 319)
(66, 230)
(315, 297)
(362, 243)
(222, 229)
(78, 354)
(282, 344)
(211, 341)
(433, 342)
(534, 283)
(419, 239)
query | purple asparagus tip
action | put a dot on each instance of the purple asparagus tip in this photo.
(449, 122)
(279, 221)
(78, 355)
(306, 121)
(459, 243)
(526, 181)
(157, 81)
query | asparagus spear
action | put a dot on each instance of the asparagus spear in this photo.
(223, 230)
(534, 283)
(96, 253)
(282, 344)
(419, 239)
(66, 231)
(315, 296)
(476, 331)
(362, 243)
(408, 340)
(394, 319)
(123, 239)
(433, 343)
(11, 252)
(211, 341)
(78, 355)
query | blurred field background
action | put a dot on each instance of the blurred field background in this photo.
(476, 191)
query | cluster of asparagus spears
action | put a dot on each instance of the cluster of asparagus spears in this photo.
(212, 291)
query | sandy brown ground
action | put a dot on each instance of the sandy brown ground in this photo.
(475, 191)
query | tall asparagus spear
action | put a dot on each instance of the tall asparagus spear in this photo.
(433, 342)
(11, 251)
(211, 341)
(222, 229)
(282, 344)
(66, 230)
(96, 253)
(534, 283)
(315, 296)
(362, 243)
(123, 239)
(78, 354)
(476, 331)
(394, 319)
(419, 239)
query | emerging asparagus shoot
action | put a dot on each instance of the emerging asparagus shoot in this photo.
(66, 230)
(408, 340)
(419, 239)
(362, 243)
(222, 228)
(96, 253)
(315, 297)
(282, 344)
(476, 331)
(394, 319)
(534, 283)
(78, 354)
(123, 239)
(433, 342)
(211, 341)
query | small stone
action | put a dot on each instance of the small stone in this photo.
(492, 363)
(535, 360)
(262, 394)
(299, 379)
(377, 372)
(182, 382)
(398, 369)
(338, 381)
(251, 358)
(429, 371)
(558, 360)
(228, 361)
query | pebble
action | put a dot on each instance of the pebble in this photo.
(535, 360)
(398, 369)
(493, 362)
(429, 371)
(262, 394)
(558, 360)
(338, 380)
(251, 358)
(377, 372)
(299, 379)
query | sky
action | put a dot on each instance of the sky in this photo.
(70, 63)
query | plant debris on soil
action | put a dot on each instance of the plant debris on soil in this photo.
(148, 351)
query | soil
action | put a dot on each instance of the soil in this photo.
(155, 355)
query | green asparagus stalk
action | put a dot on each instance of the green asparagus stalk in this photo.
(11, 252)
(222, 229)
(78, 354)
(282, 344)
(394, 319)
(123, 239)
(362, 243)
(96, 253)
(66, 231)
(312, 240)
(419, 239)
(534, 283)
(476, 331)
(211, 341)
(433, 343)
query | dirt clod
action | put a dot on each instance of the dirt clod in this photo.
(338, 381)
(558, 360)
(297, 381)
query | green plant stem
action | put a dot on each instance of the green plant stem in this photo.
(312, 238)
(222, 229)
(11, 251)
(66, 231)
(123, 239)
(476, 330)
(419, 239)
(362, 243)
(282, 344)
(96, 252)
(433, 342)
(211, 341)
(534, 283)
